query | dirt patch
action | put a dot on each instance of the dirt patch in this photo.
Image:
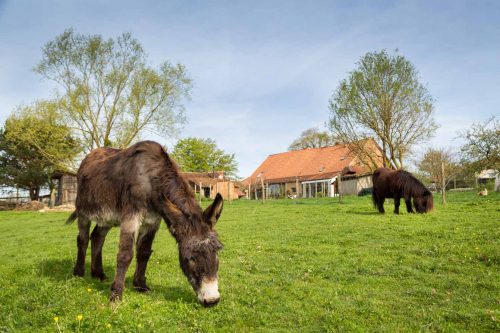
(32, 205)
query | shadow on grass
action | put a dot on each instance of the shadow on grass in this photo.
(62, 270)
(170, 293)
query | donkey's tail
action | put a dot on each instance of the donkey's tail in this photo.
(72, 217)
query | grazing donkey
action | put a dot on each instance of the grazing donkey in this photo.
(399, 184)
(134, 189)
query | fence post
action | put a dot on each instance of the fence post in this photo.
(340, 186)
(263, 190)
(443, 184)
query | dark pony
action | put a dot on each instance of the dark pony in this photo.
(399, 184)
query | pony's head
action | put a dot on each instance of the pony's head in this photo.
(423, 203)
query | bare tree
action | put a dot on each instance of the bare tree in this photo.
(383, 99)
(110, 95)
(432, 163)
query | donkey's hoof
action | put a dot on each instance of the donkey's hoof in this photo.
(77, 271)
(101, 276)
(114, 297)
(141, 287)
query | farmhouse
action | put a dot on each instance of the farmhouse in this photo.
(315, 172)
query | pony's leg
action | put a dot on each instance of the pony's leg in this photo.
(143, 253)
(97, 240)
(408, 205)
(397, 201)
(82, 241)
(380, 204)
(128, 230)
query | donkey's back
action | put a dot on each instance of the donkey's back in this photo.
(113, 182)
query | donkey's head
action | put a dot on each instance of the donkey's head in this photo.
(198, 254)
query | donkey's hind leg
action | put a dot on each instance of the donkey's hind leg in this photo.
(97, 240)
(82, 242)
(143, 253)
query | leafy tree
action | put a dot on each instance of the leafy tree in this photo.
(431, 166)
(382, 98)
(110, 94)
(312, 138)
(33, 144)
(199, 155)
(482, 148)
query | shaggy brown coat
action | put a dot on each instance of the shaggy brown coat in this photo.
(399, 184)
(135, 188)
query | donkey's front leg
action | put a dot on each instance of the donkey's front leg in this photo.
(128, 230)
(143, 252)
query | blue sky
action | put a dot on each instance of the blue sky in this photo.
(264, 71)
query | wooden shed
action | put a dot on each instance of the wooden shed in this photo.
(66, 187)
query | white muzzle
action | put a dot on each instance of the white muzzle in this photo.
(209, 292)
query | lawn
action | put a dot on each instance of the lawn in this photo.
(308, 266)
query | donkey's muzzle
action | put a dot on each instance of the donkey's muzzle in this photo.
(208, 295)
(211, 302)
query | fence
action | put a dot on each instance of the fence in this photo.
(12, 202)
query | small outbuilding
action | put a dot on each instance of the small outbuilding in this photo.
(66, 187)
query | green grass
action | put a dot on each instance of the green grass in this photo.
(316, 266)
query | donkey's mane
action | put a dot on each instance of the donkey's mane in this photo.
(173, 187)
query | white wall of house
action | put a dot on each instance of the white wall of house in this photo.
(354, 185)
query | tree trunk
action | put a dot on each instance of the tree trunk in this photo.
(34, 193)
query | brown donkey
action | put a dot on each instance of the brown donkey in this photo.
(134, 189)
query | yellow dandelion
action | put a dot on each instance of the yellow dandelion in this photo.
(108, 325)
(89, 290)
(56, 319)
(79, 317)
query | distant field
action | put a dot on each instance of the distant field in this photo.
(311, 266)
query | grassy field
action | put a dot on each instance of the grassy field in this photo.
(311, 266)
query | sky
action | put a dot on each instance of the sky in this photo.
(264, 71)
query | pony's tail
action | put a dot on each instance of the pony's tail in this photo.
(72, 217)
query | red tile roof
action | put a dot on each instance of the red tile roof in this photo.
(308, 164)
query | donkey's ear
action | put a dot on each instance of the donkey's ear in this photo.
(212, 213)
